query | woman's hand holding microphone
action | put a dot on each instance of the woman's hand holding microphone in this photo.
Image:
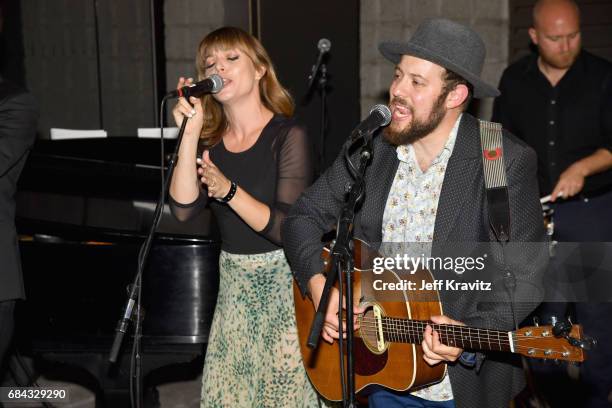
(192, 110)
(217, 184)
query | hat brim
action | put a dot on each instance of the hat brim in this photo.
(393, 51)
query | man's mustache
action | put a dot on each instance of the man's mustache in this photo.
(401, 102)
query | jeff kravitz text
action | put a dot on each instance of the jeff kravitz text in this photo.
(438, 284)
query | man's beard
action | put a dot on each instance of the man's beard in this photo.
(563, 61)
(418, 129)
(560, 62)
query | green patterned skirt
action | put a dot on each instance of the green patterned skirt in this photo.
(253, 357)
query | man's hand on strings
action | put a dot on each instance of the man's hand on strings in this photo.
(331, 323)
(434, 352)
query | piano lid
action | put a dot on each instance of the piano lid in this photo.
(110, 185)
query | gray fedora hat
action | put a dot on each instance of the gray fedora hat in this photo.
(448, 44)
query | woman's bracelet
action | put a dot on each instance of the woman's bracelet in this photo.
(230, 194)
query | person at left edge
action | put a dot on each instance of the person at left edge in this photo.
(18, 121)
(256, 163)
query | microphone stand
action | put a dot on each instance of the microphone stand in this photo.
(319, 67)
(323, 92)
(342, 262)
(135, 288)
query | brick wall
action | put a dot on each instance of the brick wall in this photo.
(397, 19)
(186, 23)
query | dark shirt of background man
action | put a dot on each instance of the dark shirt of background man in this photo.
(564, 123)
(18, 118)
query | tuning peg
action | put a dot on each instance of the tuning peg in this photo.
(553, 320)
(588, 343)
(561, 328)
(536, 321)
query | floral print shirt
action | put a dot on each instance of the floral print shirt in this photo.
(410, 217)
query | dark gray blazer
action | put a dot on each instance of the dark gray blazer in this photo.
(18, 121)
(462, 216)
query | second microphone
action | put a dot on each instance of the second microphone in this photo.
(212, 84)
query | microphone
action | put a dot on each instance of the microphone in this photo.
(379, 116)
(324, 45)
(212, 84)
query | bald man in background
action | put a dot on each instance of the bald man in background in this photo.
(559, 101)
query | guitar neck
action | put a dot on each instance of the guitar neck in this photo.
(411, 331)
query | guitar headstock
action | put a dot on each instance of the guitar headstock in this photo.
(541, 342)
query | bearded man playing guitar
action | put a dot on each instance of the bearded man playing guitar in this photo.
(425, 183)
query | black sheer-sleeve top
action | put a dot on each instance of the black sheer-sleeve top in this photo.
(275, 171)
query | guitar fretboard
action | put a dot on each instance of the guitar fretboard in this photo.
(411, 331)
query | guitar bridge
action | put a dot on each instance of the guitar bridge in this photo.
(380, 338)
(371, 328)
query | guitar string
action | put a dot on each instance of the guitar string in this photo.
(372, 330)
(517, 347)
(438, 327)
(451, 336)
(451, 332)
(409, 324)
(447, 339)
(418, 335)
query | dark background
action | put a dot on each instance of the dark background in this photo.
(290, 30)
(100, 64)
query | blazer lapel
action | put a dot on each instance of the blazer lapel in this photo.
(459, 177)
(381, 177)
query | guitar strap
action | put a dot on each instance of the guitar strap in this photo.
(496, 185)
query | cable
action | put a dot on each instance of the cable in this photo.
(340, 333)
(162, 111)
(351, 167)
(136, 354)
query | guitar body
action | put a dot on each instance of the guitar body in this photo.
(387, 348)
(398, 366)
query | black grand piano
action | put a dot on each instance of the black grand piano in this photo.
(83, 209)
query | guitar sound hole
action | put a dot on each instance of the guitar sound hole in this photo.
(369, 329)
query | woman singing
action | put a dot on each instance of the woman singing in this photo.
(256, 164)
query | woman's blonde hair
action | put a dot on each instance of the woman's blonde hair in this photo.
(273, 95)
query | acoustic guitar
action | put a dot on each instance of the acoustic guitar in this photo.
(387, 346)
